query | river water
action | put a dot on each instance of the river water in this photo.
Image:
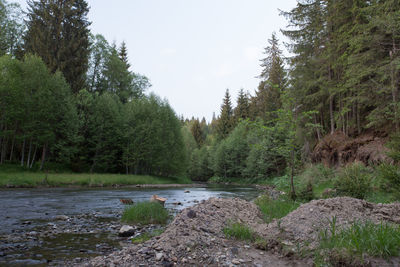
(26, 211)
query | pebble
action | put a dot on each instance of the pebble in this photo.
(159, 256)
(235, 261)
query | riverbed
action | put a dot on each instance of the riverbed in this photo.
(49, 226)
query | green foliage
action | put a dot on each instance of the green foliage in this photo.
(394, 147)
(275, 209)
(354, 180)
(225, 121)
(49, 24)
(390, 177)
(239, 231)
(230, 154)
(199, 167)
(360, 239)
(146, 213)
(11, 28)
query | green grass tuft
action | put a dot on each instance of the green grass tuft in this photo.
(275, 209)
(147, 236)
(360, 239)
(146, 213)
(239, 231)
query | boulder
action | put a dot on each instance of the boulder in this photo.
(126, 231)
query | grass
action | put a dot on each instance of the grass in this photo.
(12, 176)
(360, 239)
(146, 236)
(275, 209)
(146, 213)
(239, 231)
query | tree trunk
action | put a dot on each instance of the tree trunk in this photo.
(292, 190)
(12, 148)
(316, 122)
(34, 156)
(23, 153)
(43, 156)
(331, 115)
(358, 119)
(29, 153)
(394, 85)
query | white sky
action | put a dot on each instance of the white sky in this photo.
(192, 50)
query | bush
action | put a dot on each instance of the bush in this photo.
(146, 213)
(275, 209)
(376, 240)
(239, 231)
(354, 180)
(307, 192)
(390, 178)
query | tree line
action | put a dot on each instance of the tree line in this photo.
(343, 75)
(68, 97)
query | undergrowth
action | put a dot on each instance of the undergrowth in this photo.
(361, 239)
(275, 209)
(239, 231)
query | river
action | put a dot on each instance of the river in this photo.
(42, 226)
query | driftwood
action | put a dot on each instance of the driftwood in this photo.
(126, 201)
(158, 199)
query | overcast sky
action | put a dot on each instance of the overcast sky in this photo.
(192, 50)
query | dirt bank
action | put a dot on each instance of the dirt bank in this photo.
(338, 149)
(195, 236)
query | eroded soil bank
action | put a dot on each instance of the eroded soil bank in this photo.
(195, 237)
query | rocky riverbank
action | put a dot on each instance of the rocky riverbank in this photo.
(195, 237)
(64, 238)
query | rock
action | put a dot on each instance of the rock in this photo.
(167, 263)
(126, 231)
(191, 214)
(235, 261)
(234, 251)
(187, 191)
(61, 217)
(175, 259)
(177, 203)
(159, 256)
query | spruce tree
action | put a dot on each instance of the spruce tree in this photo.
(123, 55)
(197, 132)
(225, 121)
(58, 32)
(272, 80)
(242, 108)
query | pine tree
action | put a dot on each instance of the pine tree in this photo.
(225, 121)
(58, 32)
(197, 132)
(242, 108)
(272, 80)
(123, 55)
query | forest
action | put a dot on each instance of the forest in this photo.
(68, 96)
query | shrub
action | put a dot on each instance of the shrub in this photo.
(390, 177)
(376, 240)
(354, 180)
(307, 193)
(146, 213)
(275, 209)
(239, 231)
